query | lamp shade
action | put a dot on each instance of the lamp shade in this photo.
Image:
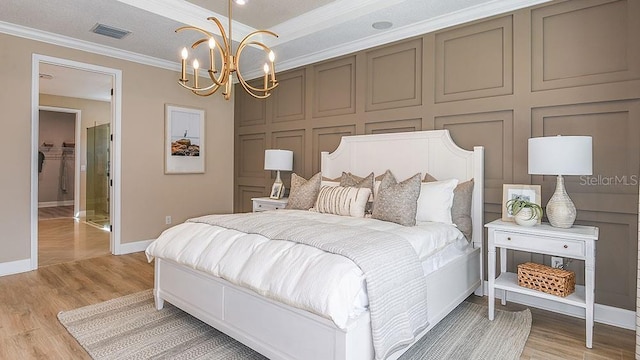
(278, 160)
(560, 155)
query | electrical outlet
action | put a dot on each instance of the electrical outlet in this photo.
(167, 219)
(556, 262)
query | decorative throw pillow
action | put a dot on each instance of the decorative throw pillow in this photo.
(303, 192)
(345, 201)
(397, 202)
(329, 182)
(349, 179)
(435, 201)
(461, 207)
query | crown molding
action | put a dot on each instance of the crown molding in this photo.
(76, 44)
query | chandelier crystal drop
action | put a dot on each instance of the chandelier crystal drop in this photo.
(230, 63)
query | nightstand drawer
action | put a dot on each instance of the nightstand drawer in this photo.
(541, 244)
(266, 204)
(261, 206)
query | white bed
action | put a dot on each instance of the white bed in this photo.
(280, 331)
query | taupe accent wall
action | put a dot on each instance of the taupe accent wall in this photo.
(569, 67)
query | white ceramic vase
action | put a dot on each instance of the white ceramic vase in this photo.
(524, 217)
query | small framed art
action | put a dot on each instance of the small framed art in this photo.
(276, 191)
(184, 140)
(512, 191)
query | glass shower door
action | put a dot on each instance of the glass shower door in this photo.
(98, 173)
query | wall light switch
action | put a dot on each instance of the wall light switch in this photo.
(167, 220)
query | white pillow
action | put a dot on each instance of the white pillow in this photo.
(435, 201)
(345, 201)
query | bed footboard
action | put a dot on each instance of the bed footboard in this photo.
(282, 332)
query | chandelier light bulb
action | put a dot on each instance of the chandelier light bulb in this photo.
(212, 43)
(272, 56)
(185, 53)
(196, 64)
(266, 68)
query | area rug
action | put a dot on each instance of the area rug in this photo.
(130, 328)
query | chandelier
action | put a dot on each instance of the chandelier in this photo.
(230, 63)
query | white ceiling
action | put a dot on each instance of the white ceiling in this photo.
(309, 30)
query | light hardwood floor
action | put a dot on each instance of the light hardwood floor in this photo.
(66, 239)
(29, 302)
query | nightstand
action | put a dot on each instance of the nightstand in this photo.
(577, 242)
(265, 203)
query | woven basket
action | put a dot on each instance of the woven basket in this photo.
(546, 279)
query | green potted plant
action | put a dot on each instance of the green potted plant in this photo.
(525, 213)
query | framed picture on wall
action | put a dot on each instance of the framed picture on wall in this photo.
(525, 192)
(184, 144)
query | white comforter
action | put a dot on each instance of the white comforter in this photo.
(299, 275)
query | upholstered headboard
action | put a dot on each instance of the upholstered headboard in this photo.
(408, 153)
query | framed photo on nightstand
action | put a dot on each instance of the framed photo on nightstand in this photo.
(276, 191)
(512, 191)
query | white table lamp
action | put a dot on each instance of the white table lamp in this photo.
(278, 160)
(561, 155)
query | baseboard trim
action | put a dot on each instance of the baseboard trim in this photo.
(15, 267)
(45, 204)
(133, 247)
(604, 314)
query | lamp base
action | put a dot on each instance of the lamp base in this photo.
(561, 211)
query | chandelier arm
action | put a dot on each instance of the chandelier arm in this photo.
(223, 34)
(197, 89)
(223, 72)
(204, 32)
(247, 88)
(241, 79)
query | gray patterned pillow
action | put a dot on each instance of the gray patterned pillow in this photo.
(461, 208)
(303, 192)
(397, 202)
(350, 180)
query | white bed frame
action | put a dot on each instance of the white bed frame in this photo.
(279, 331)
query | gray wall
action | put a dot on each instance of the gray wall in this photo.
(570, 68)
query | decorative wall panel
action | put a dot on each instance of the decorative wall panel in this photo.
(290, 140)
(579, 43)
(289, 97)
(614, 127)
(494, 131)
(393, 126)
(394, 76)
(335, 87)
(251, 155)
(245, 193)
(249, 111)
(327, 139)
(475, 61)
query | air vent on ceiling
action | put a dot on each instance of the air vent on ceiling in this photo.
(110, 31)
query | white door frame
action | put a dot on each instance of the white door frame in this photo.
(77, 151)
(116, 154)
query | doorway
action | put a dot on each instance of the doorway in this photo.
(106, 210)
